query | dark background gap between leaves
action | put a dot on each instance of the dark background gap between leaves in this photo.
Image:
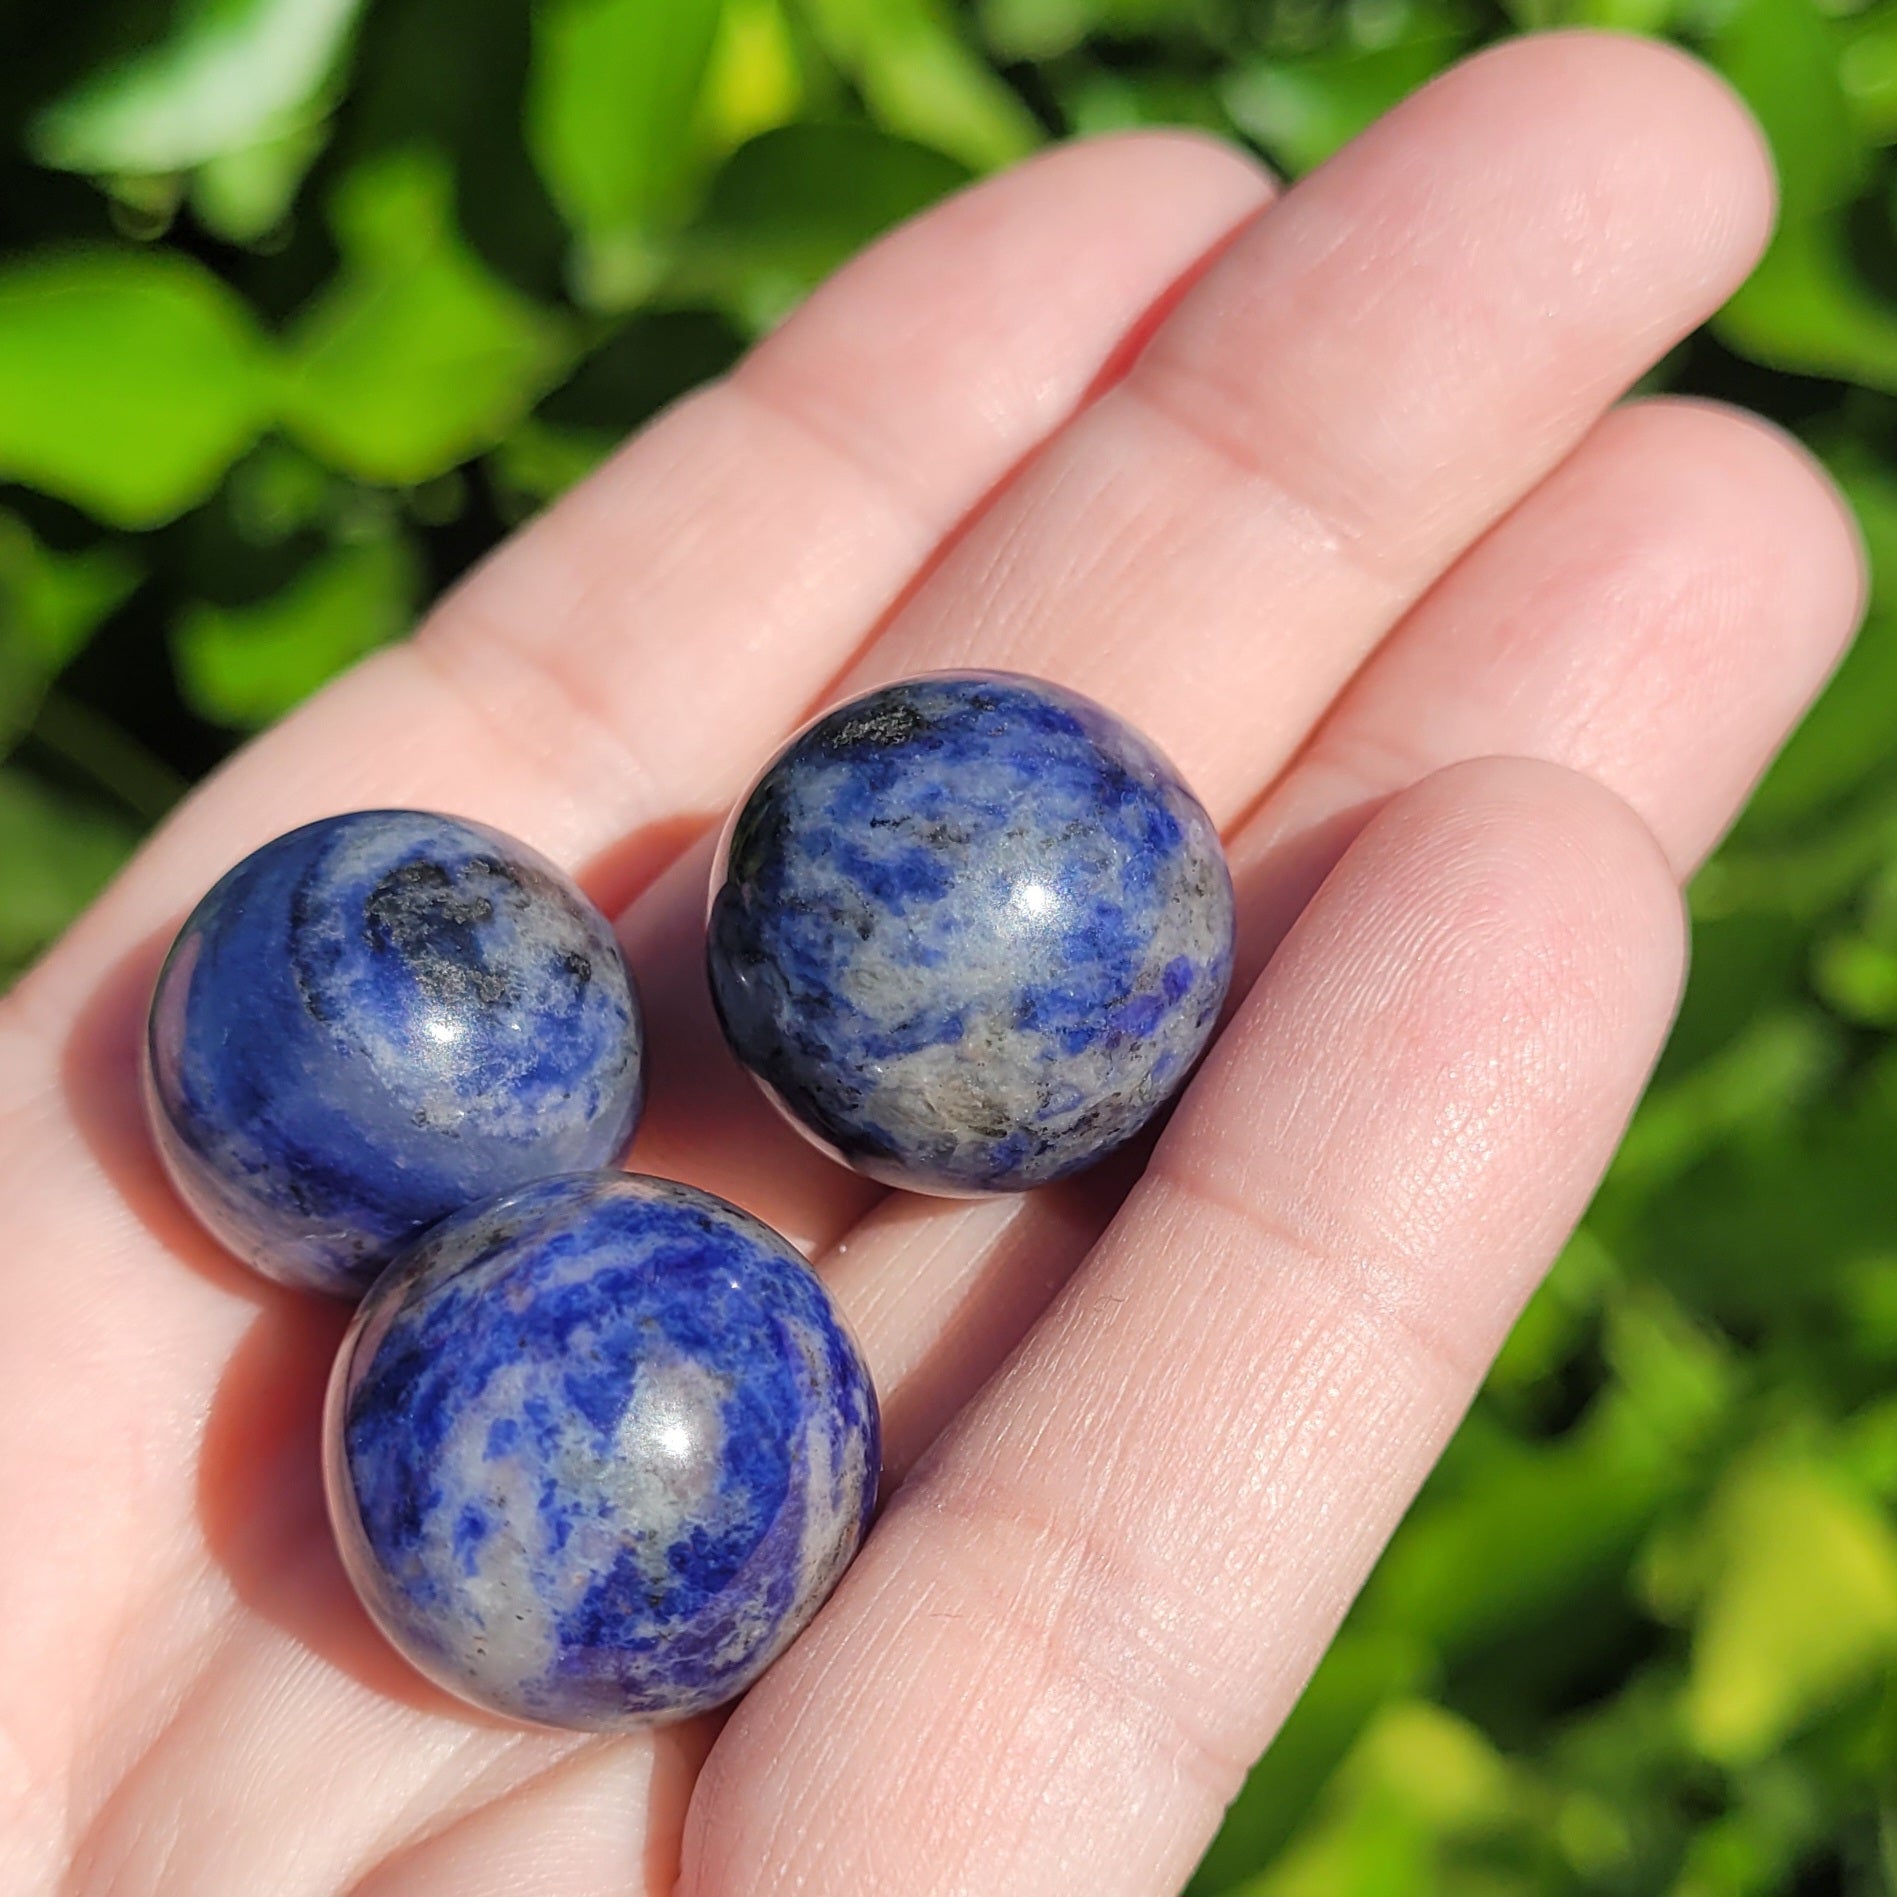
(305, 303)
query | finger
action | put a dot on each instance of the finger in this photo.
(1080, 1621)
(1364, 380)
(1656, 614)
(564, 1833)
(610, 677)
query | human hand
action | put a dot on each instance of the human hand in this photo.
(1324, 500)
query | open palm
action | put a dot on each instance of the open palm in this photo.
(1326, 497)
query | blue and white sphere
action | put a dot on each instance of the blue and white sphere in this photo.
(374, 1020)
(970, 931)
(597, 1450)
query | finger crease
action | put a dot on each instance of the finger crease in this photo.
(1377, 1286)
(1158, 393)
(887, 478)
(1092, 1614)
(580, 766)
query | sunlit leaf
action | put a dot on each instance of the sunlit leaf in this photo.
(1805, 307)
(55, 854)
(1623, 16)
(129, 381)
(246, 665)
(1759, 1078)
(232, 74)
(1417, 1780)
(1867, 68)
(1360, 1674)
(1866, 1294)
(754, 80)
(1547, 1330)
(923, 80)
(792, 205)
(1868, 1446)
(417, 356)
(244, 194)
(1857, 979)
(1801, 1605)
(1101, 100)
(612, 104)
(1533, 1527)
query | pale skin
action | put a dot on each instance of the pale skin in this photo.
(1334, 498)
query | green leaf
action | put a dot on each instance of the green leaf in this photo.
(50, 603)
(278, 491)
(1100, 100)
(539, 461)
(243, 195)
(1529, 1530)
(1303, 110)
(416, 356)
(922, 79)
(1417, 1780)
(247, 665)
(56, 853)
(1759, 1079)
(78, 737)
(1546, 1333)
(1754, 1849)
(754, 80)
(1622, 16)
(129, 381)
(1867, 70)
(1805, 307)
(1857, 979)
(1850, 731)
(612, 102)
(1360, 1674)
(1867, 1447)
(1801, 1606)
(792, 205)
(232, 74)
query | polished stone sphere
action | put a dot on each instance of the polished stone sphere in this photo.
(372, 1021)
(597, 1450)
(970, 931)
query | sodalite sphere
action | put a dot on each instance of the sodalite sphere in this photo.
(597, 1450)
(970, 931)
(374, 1020)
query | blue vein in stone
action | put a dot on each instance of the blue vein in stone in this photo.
(598, 1450)
(970, 931)
(372, 1021)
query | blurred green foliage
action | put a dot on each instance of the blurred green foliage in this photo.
(303, 303)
